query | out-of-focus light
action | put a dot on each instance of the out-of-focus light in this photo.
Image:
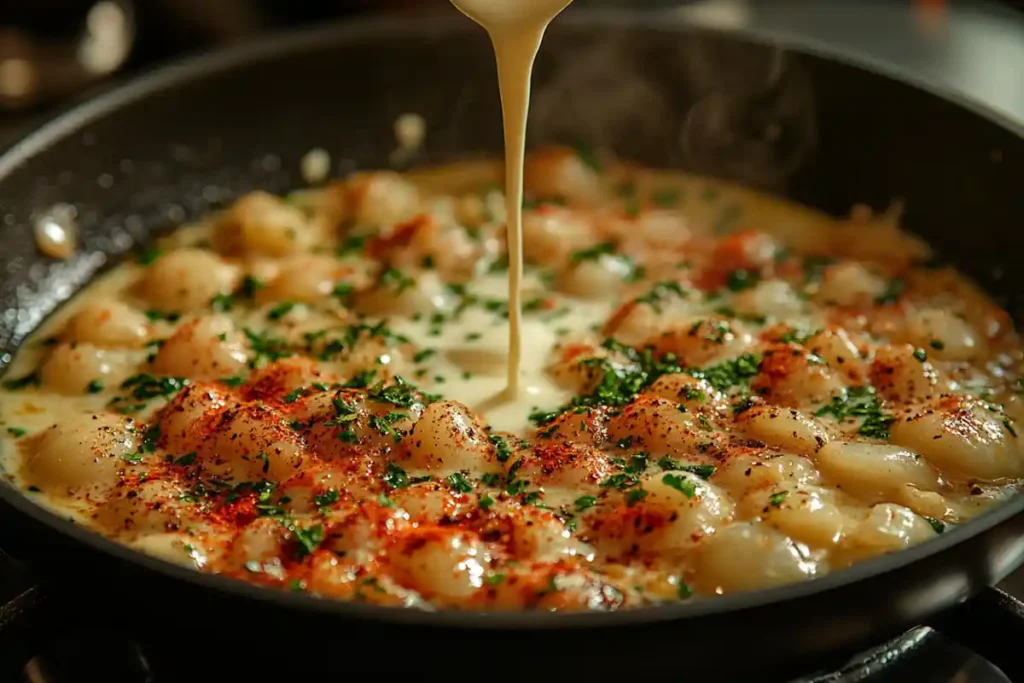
(930, 15)
(718, 13)
(107, 40)
(17, 78)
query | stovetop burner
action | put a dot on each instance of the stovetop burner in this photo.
(920, 656)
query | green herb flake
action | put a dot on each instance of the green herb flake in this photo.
(222, 303)
(920, 354)
(94, 387)
(741, 279)
(250, 286)
(681, 484)
(423, 354)
(666, 198)
(893, 290)
(776, 499)
(148, 255)
(635, 496)
(342, 291)
(17, 432)
(860, 402)
(280, 310)
(588, 155)
(396, 280)
(459, 484)
(308, 540)
(593, 253)
(502, 449)
(326, 499)
(186, 460)
(395, 476)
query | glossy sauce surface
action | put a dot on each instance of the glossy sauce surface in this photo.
(731, 392)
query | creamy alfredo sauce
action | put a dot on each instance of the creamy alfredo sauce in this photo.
(516, 28)
(735, 392)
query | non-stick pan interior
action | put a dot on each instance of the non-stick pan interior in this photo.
(169, 148)
(824, 132)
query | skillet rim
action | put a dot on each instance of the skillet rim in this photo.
(74, 117)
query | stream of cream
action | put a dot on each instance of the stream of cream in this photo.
(516, 28)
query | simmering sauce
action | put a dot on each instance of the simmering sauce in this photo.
(730, 392)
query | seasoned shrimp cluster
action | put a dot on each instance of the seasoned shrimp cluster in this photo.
(722, 392)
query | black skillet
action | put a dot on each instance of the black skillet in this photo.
(803, 122)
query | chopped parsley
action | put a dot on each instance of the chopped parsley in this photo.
(400, 394)
(585, 503)
(666, 197)
(619, 383)
(936, 524)
(702, 471)
(148, 255)
(222, 303)
(326, 499)
(150, 438)
(776, 499)
(593, 253)
(155, 316)
(185, 460)
(635, 496)
(730, 373)
(17, 432)
(95, 386)
(342, 291)
(681, 484)
(860, 402)
(307, 540)
(662, 290)
(395, 476)
(249, 287)
(459, 483)
(395, 279)
(280, 310)
(588, 155)
(352, 245)
(266, 347)
(893, 289)
(502, 450)
(920, 354)
(145, 386)
(937, 344)
(741, 279)
(423, 354)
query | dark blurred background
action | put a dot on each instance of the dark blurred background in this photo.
(55, 50)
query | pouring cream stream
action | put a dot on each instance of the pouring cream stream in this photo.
(516, 28)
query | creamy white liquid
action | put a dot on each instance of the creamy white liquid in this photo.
(516, 28)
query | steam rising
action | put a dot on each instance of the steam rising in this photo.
(712, 105)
